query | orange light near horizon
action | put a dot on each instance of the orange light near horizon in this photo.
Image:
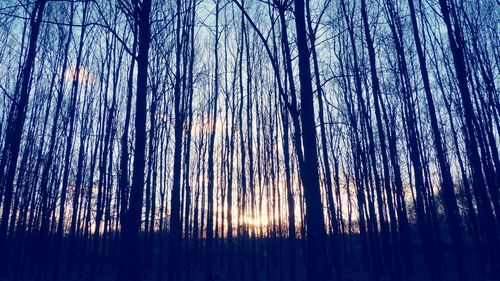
(256, 221)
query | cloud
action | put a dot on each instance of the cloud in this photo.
(84, 76)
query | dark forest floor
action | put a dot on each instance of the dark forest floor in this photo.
(266, 265)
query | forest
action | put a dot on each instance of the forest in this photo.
(235, 140)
